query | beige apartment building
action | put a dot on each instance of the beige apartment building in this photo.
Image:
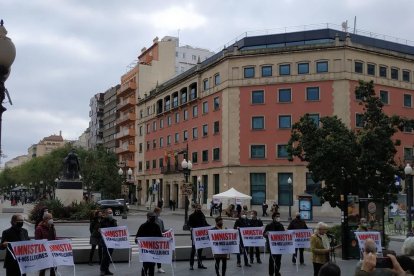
(46, 145)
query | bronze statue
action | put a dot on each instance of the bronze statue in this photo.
(71, 166)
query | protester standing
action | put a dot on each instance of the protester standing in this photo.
(196, 219)
(149, 229)
(160, 223)
(242, 222)
(298, 223)
(95, 237)
(106, 222)
(320, 247)
(255, 222)
(45, 230)
(220, 257)
(13, 234)
(274, 259)
(264, 209)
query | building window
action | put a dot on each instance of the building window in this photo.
(147, 165)
(285, 121)
(282, 151)
(148, 145)
(258, 188)
(140, 131)
(217, 79)
(258, 123)
(205, 107)
(194, 157)
(177, 117)
(406, 76)
(154, 126)
(408, 153)
(284, 69)
(312, 93)
(205, 84)
(216, 154)
(140, 166)
(148, 128)
(407, 100)
(216, 102)
(195, 111)
(169, 121)
(161, 142)
(258, 151)
(384, 97)
(258, 97)
(161, 123)
(313, 188)
(204, 156)
(195, 133)
(216, 127)
(408, 128)
(359, 120)
(266, 71)
(314, 118)
(185, 135)
(140, 147)
(383, 71)
(321, 67)
(161, 162)
(394, 73)
(154, 163)
(285, 189)
(359, 67)
(154, 144)
(185, 114)
(248, 72)
(205, 130)
(285, 95)
(176, 137)
(168, 140)
(371, 69)
(216, 183)
(303, 68)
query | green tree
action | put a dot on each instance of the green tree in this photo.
(360, 161)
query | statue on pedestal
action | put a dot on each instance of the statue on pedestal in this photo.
(71, 166)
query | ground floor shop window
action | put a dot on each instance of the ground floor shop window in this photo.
(258, 188)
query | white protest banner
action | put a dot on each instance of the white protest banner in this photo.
(281, 242)
(61, 251)
(200, 237)
(302, 237)
(224, 241)
(32, 255)
(239, 201)
(252, 236)
(116, 237)
(155, 250)
(363, 236)
(170, 234)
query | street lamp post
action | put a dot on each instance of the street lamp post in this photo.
(7, 55)
(290, 197)
(126, 174)
(408, 170)
(200, 189)
(187, 166)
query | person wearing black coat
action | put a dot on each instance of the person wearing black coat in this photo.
(298, 223)
(149, 229)
(241, 222)
(274, 259)
(106, 222)
(95, 236)
(13, 234)
(196, 219)
(255, 222)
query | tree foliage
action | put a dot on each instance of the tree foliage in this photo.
(360, 161)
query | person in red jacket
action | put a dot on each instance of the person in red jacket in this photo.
(45, 230)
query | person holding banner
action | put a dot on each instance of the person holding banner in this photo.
(13, 234)
(320, 247)
(95, 237)
(107, 221)
(160, 223)
(255, 222)
(196, 219)
(242, 222)
(298, 223)
(276, 259)
(45, 230)
(220, 257)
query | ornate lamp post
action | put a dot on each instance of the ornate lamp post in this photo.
(289, 181)
(126, 175)
(200, 189)
(187, 166)
(408, 170)
(7, 55)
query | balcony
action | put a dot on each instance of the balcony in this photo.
(126, 133)
(171, 169)
(130, 163)
(125, 119)
(126, 88)
(127, 103)
(125, 149)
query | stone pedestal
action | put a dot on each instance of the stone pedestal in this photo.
(68, 191)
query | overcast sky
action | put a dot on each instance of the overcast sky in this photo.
(67, 51)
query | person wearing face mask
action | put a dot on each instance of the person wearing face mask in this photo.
(46, 231)
(106, 222)
(220, 257)
(149, 229)
(39, 216)
(241, 222)
(255, 222)
(298, 223)
(160, 223)
(320, 247)
(95, 235)
(196, 219)
(13, 234)
(274, 259)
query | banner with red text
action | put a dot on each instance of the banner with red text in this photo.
(252, 236)
(32, 255)
(155, 250)
(116, 237)
(200, 237)
(302, 237)
(224, 241)
(281, 242)
(362, 236)
(170, 234)
(61, 251)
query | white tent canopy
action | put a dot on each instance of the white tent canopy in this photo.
(231, 194)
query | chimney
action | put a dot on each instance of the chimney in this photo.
(60, 133)
(155, 40)
(143, 49)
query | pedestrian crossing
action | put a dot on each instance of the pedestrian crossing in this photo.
(83, 243)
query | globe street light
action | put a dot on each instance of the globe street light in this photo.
(187, 166)
(289, 181)
(408, 170)
(7, 55)
(126, 175)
